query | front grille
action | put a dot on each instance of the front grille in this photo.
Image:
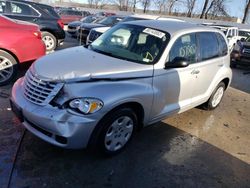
(84, 32)
(93, 35)
(39, 91)
(246, 50)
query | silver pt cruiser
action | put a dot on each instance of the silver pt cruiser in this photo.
(135, 74)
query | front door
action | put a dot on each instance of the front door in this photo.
(174, 87)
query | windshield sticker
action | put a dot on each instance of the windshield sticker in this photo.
(154, 32)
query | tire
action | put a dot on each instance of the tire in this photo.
(216, 97)
(233, 64)
(7, 74)
(49, 40)
(116, 131)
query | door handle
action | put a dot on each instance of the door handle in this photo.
(195, 72)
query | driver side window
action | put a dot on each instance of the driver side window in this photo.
(185, 46)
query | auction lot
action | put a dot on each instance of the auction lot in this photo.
(195, 149)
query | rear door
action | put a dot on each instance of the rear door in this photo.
(22, 11)
(208, 65)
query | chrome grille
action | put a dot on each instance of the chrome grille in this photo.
(39, 91)
(246, 51)
(93, 35)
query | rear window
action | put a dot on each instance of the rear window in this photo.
(208, 45)
(222, 45)
(49, 10)
(22, 9)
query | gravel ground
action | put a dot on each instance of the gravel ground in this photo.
(194, 149)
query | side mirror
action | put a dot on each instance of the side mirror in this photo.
(178, 62)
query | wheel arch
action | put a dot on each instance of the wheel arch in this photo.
(11, 53)
(226, 82)
(138, 109)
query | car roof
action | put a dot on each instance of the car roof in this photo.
(171, 27)
(146, 16)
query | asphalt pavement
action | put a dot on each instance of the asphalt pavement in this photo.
(194, 149)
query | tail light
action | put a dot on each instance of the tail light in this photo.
(38, 34)
(60, 24)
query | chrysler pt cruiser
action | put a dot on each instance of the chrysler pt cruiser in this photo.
(135, 74)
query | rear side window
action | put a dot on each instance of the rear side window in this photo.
(222, 45)
(22, 9)
(208, 45)
(185, 46)
(49, 10)
(2, 6)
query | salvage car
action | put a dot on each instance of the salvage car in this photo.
(45, 16)
(135, 74)
(240, 55)
(20, 42)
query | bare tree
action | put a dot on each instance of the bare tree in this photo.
(246, 11)
(171, 4)
(190, 6)
(204, 8)
(145, 4)
(160, 5)
(90, 2)
(122, 4)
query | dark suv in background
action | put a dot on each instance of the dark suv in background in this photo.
(45, 16)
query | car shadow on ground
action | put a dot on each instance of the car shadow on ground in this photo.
(158, 156)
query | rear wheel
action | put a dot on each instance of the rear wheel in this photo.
(49, 40)
(8, 67)
(117, 130)
(216, 97)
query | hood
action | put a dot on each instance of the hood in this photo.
(75, 23)
(91, 25)
(82, 64)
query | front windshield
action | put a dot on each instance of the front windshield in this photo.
(109, 21)
(88, 19)
(132, 43)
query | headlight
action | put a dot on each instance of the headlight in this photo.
(86, 105)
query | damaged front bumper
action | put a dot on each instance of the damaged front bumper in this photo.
(54, 125)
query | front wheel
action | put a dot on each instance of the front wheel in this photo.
(49, 41)
(117, 130)
(8, 67)
(216, 97)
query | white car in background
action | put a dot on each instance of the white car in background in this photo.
(232, 34)
(96, 32)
